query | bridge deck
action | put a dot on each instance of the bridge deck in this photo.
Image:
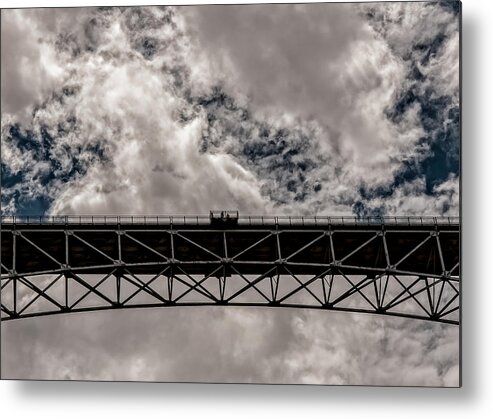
(422, 246)
(407, 267)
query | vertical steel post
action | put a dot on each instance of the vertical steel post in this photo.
(14, 270)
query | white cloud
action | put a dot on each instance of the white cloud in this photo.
(236, 345)
(415, 32)
(326, 65)
(410, 199)
(443, 69)
(126, 104)
(134, 71)
(30, 68)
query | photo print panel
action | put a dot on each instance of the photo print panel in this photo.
(232, 193)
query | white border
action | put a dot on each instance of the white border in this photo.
(87, 400)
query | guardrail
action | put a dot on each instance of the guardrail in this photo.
(244, 220)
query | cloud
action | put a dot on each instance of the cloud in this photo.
(123, 103)
(411, 199)
(160, 111)
(30, 68)
(326, 65)
(236, 345)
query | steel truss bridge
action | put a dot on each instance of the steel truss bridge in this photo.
(394, 266)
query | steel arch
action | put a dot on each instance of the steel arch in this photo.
(406, 267)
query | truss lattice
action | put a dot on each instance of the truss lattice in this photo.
(399, 269)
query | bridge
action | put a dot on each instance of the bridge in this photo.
(392, 266)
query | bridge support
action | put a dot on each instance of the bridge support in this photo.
(394, 270)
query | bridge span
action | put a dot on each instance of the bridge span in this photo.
(400, 266)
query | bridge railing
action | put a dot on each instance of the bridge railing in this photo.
(247, 220)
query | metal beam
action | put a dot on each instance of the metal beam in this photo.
(256, 263)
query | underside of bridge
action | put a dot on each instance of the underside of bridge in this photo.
(402, 268)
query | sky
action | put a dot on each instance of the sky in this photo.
(269, 109)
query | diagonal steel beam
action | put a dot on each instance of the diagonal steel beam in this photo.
(6, 282)
(410, 295)
(439, 247)
(38, 290)
(39, 248)
(197, 286)
(252, 246)
(248, 282)
(251, 284)
(91, 288)
(306, 246)
(455, 267)
(100, 282)
(274, 286)
(437, 307)
(413, 250)
(379, 295)
(39, 295)
(446, 313)
(366, 243)
(6, 310)
(94, 248)
(304, 286)
(147, 247)
(326, 291)
(355, 288)
(198, 245)
(442, 312)
(143, 286)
